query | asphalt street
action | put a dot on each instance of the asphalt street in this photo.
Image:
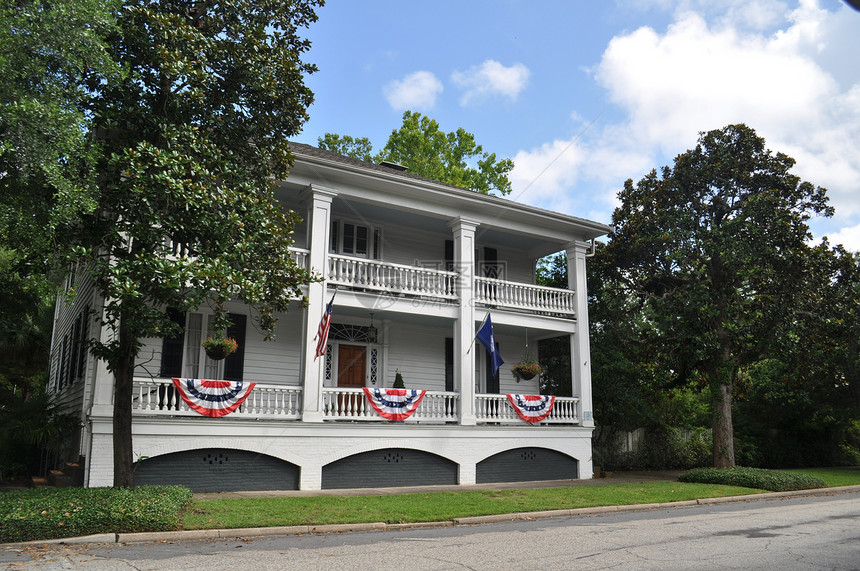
(799, 532)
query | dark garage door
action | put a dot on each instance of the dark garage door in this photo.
(527, 465)
(218, 470)
(389, 468)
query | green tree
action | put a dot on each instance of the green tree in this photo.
(187, 142)
(49, 51)
(714, 248)
(453, 158)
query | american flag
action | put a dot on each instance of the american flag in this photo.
(322, 332)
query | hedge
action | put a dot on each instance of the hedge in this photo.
(758, 478)
(51, 513)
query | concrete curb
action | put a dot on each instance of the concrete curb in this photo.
(243, 533)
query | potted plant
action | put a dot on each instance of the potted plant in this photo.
(218, 348)
(526, 369)
(398, 381)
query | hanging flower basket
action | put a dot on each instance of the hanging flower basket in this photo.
(526, 369)
(219, 348)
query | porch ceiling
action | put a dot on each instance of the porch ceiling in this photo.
(374, 213)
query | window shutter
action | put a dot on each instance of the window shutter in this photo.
(171, 347)
(491, 263)
(449, 364)
(85, 334)
(234, 365)
(449, 255)
(492, 380)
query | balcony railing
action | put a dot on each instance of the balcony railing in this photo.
(351, 404)
(495, 409)
(501, 293)
(391, 278)
(160, 397)
(300, 256)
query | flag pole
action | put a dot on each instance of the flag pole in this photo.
(475, 336)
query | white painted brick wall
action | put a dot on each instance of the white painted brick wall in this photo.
(312, 447)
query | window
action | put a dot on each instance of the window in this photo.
(183, 355)
(356, 240)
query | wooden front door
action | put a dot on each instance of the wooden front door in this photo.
(351, 362)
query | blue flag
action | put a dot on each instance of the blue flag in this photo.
(485, 336)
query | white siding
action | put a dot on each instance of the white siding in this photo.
(419, 352)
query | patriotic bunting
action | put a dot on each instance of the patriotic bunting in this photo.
(394, 404)
(532, 408)
(213, 398)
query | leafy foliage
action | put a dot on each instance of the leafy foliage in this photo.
(714, 249)
(756, 478)
(184, 110)
(453, 158)
(28, 515)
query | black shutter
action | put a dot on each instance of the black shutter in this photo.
(76, 346)
(492, 380)
(449, 255)
(491, 263)
(171, 347)
(449, 364)
(85, 334)
(234, 365)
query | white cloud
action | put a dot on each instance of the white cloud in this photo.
(416, 91)
(491, 78)
(848, 237)
(705, 71)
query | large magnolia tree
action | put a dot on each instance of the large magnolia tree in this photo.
(715, 247)
(184, 122)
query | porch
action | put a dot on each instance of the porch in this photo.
(159, 398)
(386, 278)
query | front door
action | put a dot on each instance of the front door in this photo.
(351, 361)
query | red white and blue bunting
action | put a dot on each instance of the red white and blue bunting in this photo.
(213, 398)
(532, 408)
(394, 404)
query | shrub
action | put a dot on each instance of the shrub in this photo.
(774, 480)
(51, 513)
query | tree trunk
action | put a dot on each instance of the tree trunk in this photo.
(724, 446)
(123, 370)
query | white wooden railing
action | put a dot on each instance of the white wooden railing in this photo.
(501, 293)
(393, 278)
(300, 256)
(160, 397)
(351, 404)
(496, 409)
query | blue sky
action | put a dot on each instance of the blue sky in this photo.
(583, 95)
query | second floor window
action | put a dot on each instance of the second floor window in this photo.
(359, 240)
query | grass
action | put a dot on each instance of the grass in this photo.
(44, 513)
(437, 506)
(833, 476)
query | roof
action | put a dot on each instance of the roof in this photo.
(315, 154)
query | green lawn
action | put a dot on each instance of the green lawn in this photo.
(442, 506)
(436, 506)
(833, 476)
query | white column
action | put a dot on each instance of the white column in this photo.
(318, 200)
(580, 352)
(464, 328)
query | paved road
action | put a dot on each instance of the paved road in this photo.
(799, 533)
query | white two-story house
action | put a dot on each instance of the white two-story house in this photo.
(417, 265)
